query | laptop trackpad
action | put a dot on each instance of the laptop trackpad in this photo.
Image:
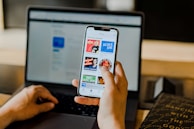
(53, 120)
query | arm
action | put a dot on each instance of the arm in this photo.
(24, 105)
(112, 105)
(5, 118)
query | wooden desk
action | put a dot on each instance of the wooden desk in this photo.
(141, 114)
(3, 98)
(168, 58)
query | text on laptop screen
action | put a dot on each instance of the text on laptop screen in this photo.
(55, 42)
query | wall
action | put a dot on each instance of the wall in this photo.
(15, 11)
(1, 15)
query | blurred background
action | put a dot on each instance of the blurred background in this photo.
(165, 20)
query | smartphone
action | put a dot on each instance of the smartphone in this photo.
(99, 49)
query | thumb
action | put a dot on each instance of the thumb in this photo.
(108, 77)
(46, 107)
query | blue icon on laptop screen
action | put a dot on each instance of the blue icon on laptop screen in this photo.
(107, 46)
(84, 84)
(58, 42)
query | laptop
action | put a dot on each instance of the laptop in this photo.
(53, 59)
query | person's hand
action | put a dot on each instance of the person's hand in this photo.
(24, 105)
(112, 105)
(113, 102)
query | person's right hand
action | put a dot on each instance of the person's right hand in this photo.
(112, 105)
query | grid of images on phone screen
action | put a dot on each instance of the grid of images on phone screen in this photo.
(98, 52)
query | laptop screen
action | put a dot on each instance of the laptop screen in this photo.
(55, 39)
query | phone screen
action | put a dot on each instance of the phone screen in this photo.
(100, 46)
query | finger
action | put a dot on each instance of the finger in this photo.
(45, 94)
(49, 97)
(86, 100)
(75, 82)
(119, 70)
(45, 107)
(108, 78)
(120, 77)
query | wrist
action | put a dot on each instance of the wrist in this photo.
(6, 117)
(112, 123)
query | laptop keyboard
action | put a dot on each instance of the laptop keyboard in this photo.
(67, 105)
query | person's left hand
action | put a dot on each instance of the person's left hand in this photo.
(24, 104)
